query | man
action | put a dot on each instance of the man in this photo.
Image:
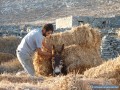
(30, 43)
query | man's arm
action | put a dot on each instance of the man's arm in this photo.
(41, 53)
(46, 46)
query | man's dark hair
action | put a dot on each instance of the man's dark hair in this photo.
(48, 27)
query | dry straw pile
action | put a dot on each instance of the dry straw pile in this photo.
(80, 58)
(109, 69)
(82, 35)
(42, 65)
(82, 45)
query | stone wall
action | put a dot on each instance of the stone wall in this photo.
(110, 47)
(99, 22)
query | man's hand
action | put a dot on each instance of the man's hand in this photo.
(46, 54)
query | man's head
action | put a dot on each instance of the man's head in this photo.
(47, 29)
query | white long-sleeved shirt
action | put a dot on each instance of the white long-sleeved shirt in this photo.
(31, 41)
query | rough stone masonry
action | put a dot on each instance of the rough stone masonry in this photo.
(110, 46)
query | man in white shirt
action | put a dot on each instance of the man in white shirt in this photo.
(30, 43)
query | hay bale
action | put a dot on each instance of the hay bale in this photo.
(42, 65)
(81, 58)
(75, 57)
(109, 69)
(82, 35)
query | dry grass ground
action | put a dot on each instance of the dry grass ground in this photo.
(8, 61)
(5, 57)
(9, 44)
(11, 67)
(69, 82)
